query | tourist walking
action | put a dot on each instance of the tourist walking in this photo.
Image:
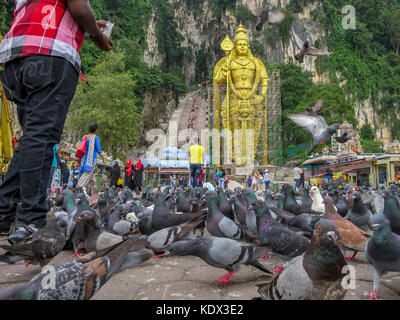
(42, 97)
(196, 158)
(88, 162)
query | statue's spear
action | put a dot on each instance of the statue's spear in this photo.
(227, 45)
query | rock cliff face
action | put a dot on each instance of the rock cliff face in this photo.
(203, 32)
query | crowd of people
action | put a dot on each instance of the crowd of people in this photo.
(130, 175)
(259, 181)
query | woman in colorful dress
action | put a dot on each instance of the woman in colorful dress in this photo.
(88, 161)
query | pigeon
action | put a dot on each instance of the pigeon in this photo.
(305, 221)
(290, 204)
(392, 211)
(248, 197)
(360, 215)
(306, 200)
(341, 206)
(224, 205)
(382, 251)
(182, 204)
(162, 239)
(345, 136)
(316, 126)
(70, 206)
(315, 275)
(351, 237)
(283, 241)
(40, 247)
(79, 280)
(239, 209)
(217, 224)
(163, 218)
(95, 238)
(316, 109)
(318, 203)
(269, 202)
(264, 15)
(122, 228)
(306, 49)
(222, 253)
(125, 195)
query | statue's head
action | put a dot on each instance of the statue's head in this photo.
(242, 44)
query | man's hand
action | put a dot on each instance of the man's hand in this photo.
(84, 16)
(103, 42)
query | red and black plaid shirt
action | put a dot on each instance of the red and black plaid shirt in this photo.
(43, 27)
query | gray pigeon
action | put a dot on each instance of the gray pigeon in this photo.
(221, 253)
(82, 279)
(359, 214)
(40, 247)
(264, 15)
(316, 109)
(316, 126)
(345, 136)
(382, 251)
(283, 242)
(162, 239)
(306, 49)
(219, 225)
(122, 228)
(315, 275)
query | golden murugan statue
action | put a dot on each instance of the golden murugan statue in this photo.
(244, 81)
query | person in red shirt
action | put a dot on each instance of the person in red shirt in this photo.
(40, 53)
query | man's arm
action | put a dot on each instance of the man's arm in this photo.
(82, 13)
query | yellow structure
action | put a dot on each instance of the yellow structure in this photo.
(6, 131)
(385, 169)
(240, 101)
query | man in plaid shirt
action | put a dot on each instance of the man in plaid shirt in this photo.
(42, 65)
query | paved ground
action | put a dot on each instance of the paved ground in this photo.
(189, 278)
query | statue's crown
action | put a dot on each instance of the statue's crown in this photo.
(241, 34)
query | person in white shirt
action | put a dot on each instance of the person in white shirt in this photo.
(297, 176)
(266, 179)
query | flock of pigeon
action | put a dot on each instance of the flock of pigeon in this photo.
(276, 16)
(308, 231)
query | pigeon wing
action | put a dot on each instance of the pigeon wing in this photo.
(229, 228)
(313, 125)
(276, 16)
(299, 42)
(253, 8)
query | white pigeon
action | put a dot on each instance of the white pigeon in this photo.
(318, 202)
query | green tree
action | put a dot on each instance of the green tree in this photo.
(108, 100)
(367, 133)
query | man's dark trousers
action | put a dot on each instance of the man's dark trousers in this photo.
(43, 88)
(195, 171)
